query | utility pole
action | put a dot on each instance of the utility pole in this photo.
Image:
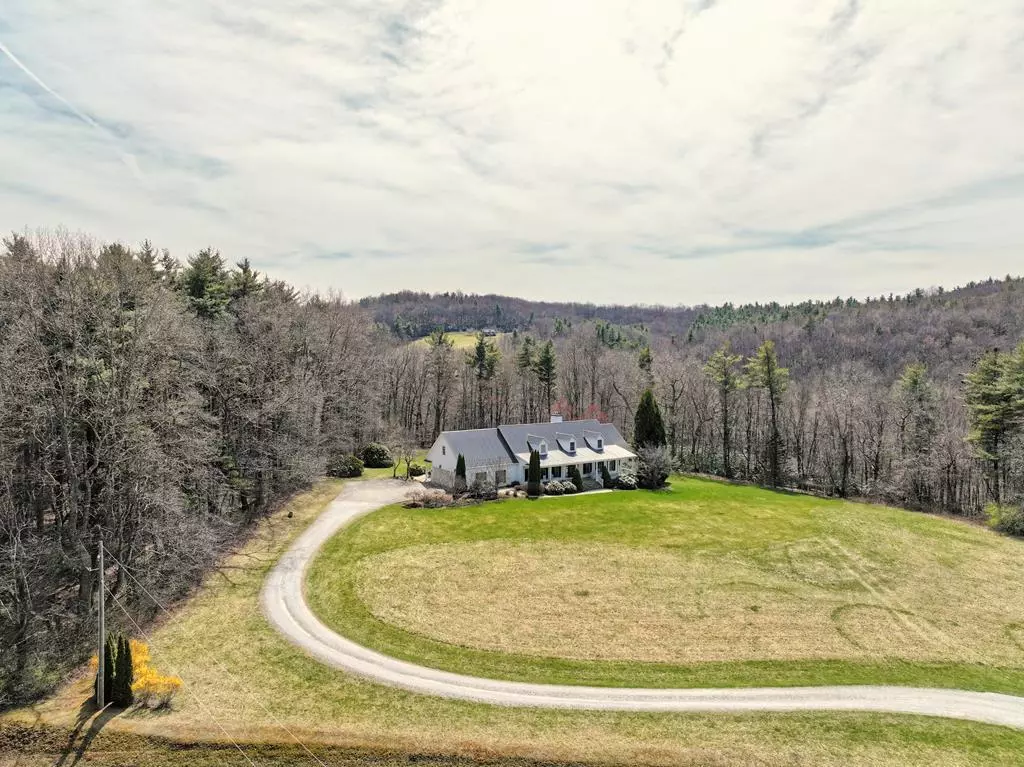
(101, 671)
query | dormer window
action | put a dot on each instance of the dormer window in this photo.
(543, 448)
(444, 450)
(600, 443)
(572, 446)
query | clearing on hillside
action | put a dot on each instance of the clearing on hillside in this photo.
(704, 584)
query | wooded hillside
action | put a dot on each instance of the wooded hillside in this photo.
(165, 406)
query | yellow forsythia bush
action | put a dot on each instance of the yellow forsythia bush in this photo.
(150, 689)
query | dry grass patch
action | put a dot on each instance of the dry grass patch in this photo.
(613, 602)
(708, 584)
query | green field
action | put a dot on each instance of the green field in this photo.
(706, 584)
(244, 683)
(462, 341)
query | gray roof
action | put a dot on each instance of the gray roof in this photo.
(481, 446)
(509, 444)
(515, 436)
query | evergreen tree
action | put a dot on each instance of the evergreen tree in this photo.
(606, 476)
(546, 370)
(721, 368)
(533, 474)
(763, 372)
(122, 693)
(995, 399)
(484, 360)
(576, 477)
(648, 426)
(205, 282)
(109, 654)
(460, 468)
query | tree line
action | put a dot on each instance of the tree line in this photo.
(948, 442)
(161, 406)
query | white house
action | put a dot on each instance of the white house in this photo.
(501, 456)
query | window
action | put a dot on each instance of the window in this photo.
(543, 473)
(600, 443)
(500, 478)
(611, 465)
(444, 451)
(556, 471)
(543, 448)
(480, 477)
(572, 446)
(588, 468)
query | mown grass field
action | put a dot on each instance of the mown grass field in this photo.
(244, 683)
(462, 341)
(706, 584)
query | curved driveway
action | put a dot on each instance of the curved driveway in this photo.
(285, 606)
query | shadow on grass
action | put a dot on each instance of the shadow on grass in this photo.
(72, 754)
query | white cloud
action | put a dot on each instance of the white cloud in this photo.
(615, 151)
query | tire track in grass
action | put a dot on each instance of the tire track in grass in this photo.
(930, 632)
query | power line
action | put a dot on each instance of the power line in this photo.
(240, 683)
(191, 692)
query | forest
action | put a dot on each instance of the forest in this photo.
(164, 406)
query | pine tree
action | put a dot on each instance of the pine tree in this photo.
(546, 370)
(995, 399)
(721, 368)
(763, 372)
(648, 427)
(606, 476)
(533, 474)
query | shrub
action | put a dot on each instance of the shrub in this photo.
(345, 466)
(606, 476)
(416, 470)
(1005, 518)
(553, 488)
(484, 491)
(655, 466)
(377, 456)
(627, 481)
(576, 477)
(150, 688)
(154, 690)
(430, 499)
(569, 487)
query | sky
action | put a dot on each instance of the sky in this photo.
(615, 151)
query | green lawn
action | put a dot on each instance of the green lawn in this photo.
(388, 473)
(245, 681)
(707, 584)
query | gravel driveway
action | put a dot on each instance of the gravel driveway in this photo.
(285, 606)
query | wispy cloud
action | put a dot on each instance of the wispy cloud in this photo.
(128, 159)
(662, 151)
